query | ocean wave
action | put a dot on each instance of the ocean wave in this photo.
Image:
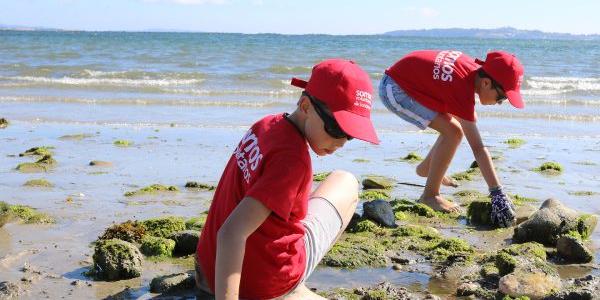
(75, 81)
(562, 84)
(133, 101)
(278, 69)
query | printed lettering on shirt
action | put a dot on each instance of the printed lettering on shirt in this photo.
(363, 99)
(443, 65)
(248, 155)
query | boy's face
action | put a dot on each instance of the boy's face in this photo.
(489, 93)
(321, 142)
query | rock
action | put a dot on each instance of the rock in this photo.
(157, 246)
(169, 283)
(586, 224)
(572, 250)
(586, 288)
(535, 285)
(164, 226)
(479, 213)
(198, 185)
(185, 242)
(383, 290)
(99, 163)
(38, 183)
(3, 123)
(115, 259)
(377, 182)
(9, 290)
(467, 289)
(547, 224)
(152, 189)
(381, 212)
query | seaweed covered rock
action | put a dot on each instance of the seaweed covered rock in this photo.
(29, 215)
(369, 195)
(123, 143)
(377, 182)
(164, 226)
(381, 291)
(380, 212)
(420, 209)
(549, 168)
(37, 151)
(130, 231)
(552, 220)
(185, 242)
(586, 288)
(115, 260)
(198, 185)
(43, 164)
(355, 251)
(152, 189)
(479, 213)
(412, 157)
(157, 246)
(196, 223)
(172, 282)
(38, 183)
(572, 250)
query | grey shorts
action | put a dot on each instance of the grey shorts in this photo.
(397, 101)
(322, 225)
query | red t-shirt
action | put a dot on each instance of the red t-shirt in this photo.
(272, 165)
(443, 81)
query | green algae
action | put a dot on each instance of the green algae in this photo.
(37, 151)
(582, 193)
(519, 200)
(505, 263)
(406, 209)
(155, 188)
(360, 160)
(29, 215)
(550, 168)
(478, 212)
(198, 185)
(113, 250)
(123, 143)
(157, 246)
(164, 226)
(515, 142)
(318, 177)
(412, 157)
(365, 225)
(451, 246)
(467, 175)
(355, 251)
(76, 137)
(377, 182)
(466, 196)
(129, 231)
(196, 223)
(41, 165)
(586, 224)
(38, 183)
(370, 195)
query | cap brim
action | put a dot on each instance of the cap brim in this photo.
(356, 126)
(299, 82)
(515, 98)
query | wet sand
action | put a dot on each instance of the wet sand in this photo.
(86, 199)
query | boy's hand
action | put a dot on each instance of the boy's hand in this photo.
(503, 211)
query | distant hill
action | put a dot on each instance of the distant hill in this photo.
(498, 33)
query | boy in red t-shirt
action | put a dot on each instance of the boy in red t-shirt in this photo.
(436, 89)
(265, 232)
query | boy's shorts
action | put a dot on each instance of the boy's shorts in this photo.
(322, 225)
(397, 101)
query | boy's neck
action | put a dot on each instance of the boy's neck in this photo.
(294, 118)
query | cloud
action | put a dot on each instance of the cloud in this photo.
(190, 2)
(429, 12)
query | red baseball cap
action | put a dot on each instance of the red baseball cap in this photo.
(505, 69)
(347, 91)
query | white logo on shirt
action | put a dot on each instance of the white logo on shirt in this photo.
(247, 154)
(443, 66)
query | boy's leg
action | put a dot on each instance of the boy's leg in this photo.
(331, 207)
(423, 168)
(440, 157)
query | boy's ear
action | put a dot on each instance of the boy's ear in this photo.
(486, 83)
(303, 104)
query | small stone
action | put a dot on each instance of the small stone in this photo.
(467, 289)
(381, 212)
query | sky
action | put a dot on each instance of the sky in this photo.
(302, 16)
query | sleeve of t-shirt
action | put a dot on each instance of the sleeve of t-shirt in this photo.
(280, 183)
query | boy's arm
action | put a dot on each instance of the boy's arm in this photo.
(482, 155)
(231, 245)
(502, 212)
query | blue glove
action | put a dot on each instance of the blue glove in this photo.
(503, 210)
